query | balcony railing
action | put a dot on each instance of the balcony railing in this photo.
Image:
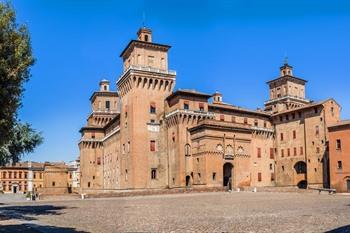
(105, 111)
(286, 97)
(149, 69)
(191, 112)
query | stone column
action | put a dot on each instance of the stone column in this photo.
(30, 177)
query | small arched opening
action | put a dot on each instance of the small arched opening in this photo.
(300, 167)
(227, 174)
(302, 184)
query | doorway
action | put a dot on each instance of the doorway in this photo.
(14, 189)
(227, 174)
(188, 181)
(348, 185)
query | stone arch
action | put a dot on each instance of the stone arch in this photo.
(302, 184)
(300, 167)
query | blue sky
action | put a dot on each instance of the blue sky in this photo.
(230, 46)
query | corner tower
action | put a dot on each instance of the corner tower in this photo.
(286, 92)
(143, 87)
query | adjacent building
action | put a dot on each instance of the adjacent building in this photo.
(339, 150)
(43, 178)
(146, 135)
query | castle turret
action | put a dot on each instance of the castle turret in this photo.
(286, 92)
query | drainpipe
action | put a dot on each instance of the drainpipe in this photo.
(305, 149)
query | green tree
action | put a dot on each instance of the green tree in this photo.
(15, 62)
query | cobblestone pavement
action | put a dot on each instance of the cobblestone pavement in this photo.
(203, 212)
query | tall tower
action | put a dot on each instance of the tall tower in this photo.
(286, 92)
(143, 87)
(105, 107)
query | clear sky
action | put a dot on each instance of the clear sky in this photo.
(230, 46)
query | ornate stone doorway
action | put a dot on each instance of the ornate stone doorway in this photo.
(227, 174)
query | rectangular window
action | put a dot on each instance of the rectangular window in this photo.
(281, 118)
(150, 60)
(338, 145)
(265, 124)
(288, 152)
(339, 165)
(259, 152)
(154, 173)
(294, 134)
(108, 104)
(282, 153)
(256, 123)
(233, 119)
(271, 166)
(281, 136)
(222, 117)
(259, 177)
(245, 120)
(317, 150)
(186, 105)
(272, 156)
(152, 145)
(98, 161)
(295, 151)
(317, 130)
(152, 108)
(201, 107)
(214, 176)
(301, 150)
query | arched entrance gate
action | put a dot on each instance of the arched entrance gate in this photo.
(227, 175)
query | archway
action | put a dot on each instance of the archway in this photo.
(14, 188)
(227, 174)
(347, 184)
(188, 181)
(300, 167)
(302, 184)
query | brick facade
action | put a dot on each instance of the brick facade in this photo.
(155, 137)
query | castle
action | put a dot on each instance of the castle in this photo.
(148, 136)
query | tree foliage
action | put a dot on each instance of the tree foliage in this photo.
(24, 140)
(15, 62)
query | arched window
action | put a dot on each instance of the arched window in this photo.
(146, 38)
(229, 150)
(300, 167)
(219, 147)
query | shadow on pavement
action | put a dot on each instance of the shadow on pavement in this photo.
(344, 229)
(28, 212)
(33, 228)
